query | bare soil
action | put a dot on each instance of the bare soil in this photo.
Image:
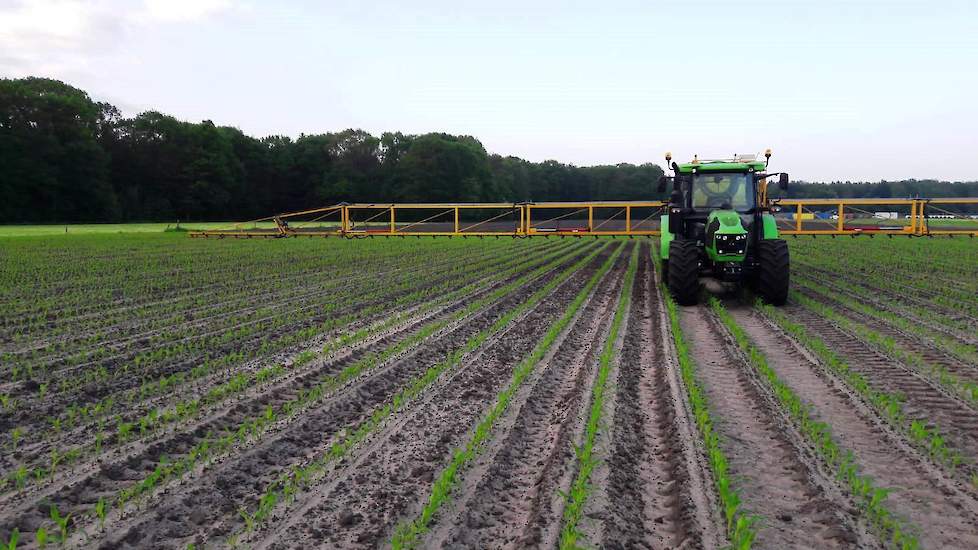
(652, 487)
(778, 481)
(921, 493)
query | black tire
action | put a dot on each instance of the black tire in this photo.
(772, 278)
(684, 271)
(665, 270)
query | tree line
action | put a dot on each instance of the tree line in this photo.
(67, 158)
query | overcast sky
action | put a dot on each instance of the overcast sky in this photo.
(840, 90)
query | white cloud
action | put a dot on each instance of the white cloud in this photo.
(184, 10)
(64, 37)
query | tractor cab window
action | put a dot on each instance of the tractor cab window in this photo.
(712, 191)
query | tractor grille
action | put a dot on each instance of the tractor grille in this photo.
(731, 244)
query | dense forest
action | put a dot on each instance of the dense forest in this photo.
(67, 158)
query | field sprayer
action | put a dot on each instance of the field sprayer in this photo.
(719, 222)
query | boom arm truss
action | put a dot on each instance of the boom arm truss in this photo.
(609, 218)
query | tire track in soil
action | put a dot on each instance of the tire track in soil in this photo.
(873, 297)
(650, 499)
(921, 493)
(211, 501)
(776, 481)
(930, 352)
(510, 498)
(907, 297)
(921, 399)
(390, 479)
(79, 493)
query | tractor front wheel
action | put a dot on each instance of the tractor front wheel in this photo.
(772, 271)
(683, 272)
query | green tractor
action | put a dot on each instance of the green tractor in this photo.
(719, 225)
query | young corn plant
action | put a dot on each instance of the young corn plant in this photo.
(408, 534)
(15, 435)
(929, 439)
(580, 487)
(286, 487)
(100, 512)
(740, 525)
(61, 522)
(843, 461)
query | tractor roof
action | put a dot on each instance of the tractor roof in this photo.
(720, 166)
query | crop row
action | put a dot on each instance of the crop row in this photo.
(907, 267)
(129, 426)
(249, 429)
(586, 461)
(923, 432)
(409, 532)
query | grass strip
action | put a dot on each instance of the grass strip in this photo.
(580, 488)
(819, 435)
(964, 388)
(407, 535)
(300, 477)
(922, 432)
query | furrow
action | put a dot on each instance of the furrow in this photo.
(365, 498)
(511, 498)
(921, 399)
(650, 500)
(78, 494)
(908, 343)
(216, 496)
(921, 493)
(777, 482)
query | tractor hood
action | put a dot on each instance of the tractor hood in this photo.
(726, 237)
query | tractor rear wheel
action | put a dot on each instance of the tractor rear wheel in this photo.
(772, 277)
(683, 273)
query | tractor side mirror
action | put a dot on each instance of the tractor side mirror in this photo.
(663, 181)
(783, 181)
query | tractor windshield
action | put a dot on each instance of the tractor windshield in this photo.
(721, 189)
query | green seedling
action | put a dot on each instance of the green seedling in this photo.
(61, 522)
(15, 436)
(100, 512)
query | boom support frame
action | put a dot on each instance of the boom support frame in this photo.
(578, 219)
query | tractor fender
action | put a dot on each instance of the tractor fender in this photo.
(665, 238)
(770, 227)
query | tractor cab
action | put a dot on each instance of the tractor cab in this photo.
(718, 213)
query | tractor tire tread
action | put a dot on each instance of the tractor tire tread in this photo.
(683, 272)
(773, 271)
